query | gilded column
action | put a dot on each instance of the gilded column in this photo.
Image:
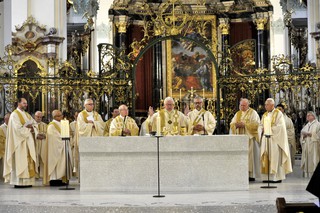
(261, 19)
(121, 23)
(224, 27)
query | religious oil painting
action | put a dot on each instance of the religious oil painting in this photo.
(188, 64)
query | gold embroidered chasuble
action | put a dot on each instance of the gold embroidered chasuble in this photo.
(172, 123)
(118, 124)
(107, 127)
(251, 120)
(90, 129)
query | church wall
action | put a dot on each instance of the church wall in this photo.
(1, 29)
(19, 11)
(7, 22)
(313, 18)
(278, 33)
(240, 31)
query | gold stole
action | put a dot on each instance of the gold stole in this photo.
(86, 115)
(238, 118)
(56, 126)
(265, 158)
(198, 118)
(163, 118)
(31, 164)
(22, 121)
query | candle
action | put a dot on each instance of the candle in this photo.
(65, 129)
(203, 93)
(267, 125)
(160, 94)
(191, 90)
(180, 96)
(158, 124)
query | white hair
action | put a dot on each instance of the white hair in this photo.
(168, 99)
(198, 98)
(246, 100)
(270, 100)
(87, 100)
(122, 106)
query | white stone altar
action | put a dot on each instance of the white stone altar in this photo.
(187, 163)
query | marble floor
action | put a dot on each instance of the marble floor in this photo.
(51, 199)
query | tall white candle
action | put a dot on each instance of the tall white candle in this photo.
(180, 96)
(267, 126)
(65, 128)
(160, 94)
(191, 90)
(203, 93)
(158, 124)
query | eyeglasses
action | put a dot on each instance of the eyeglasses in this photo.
(90, 104)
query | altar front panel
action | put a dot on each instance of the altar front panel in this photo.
(189, 163)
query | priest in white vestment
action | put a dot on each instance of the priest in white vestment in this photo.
(123, 125)
(172, 121)
(57, 152)
(290, 132)
(310, 143)
(246, 122)
(40, 143)
(89, 122)
(279, 152)
(3, 136)
(20, 155)
(200, 121)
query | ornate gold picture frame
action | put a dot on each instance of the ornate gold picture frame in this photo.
(188, 64)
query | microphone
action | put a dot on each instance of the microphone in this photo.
(204, 130)
(124, 124)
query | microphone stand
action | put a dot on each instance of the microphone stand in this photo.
(158, 158)
(269, 150)
(66, 140)
(204, 129)
(124, 125)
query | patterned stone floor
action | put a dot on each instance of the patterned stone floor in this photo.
(51, 199)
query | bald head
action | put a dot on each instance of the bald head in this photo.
(123, 109)
(244, 104)
(269, 104)
(38, 115)
(57, 115)
(168, 104)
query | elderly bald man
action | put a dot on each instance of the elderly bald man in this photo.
(173, 122)
(56, 171)
(246, 122)
(40, 142)
(123, 124)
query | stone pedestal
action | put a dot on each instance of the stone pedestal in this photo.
(189, 163)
